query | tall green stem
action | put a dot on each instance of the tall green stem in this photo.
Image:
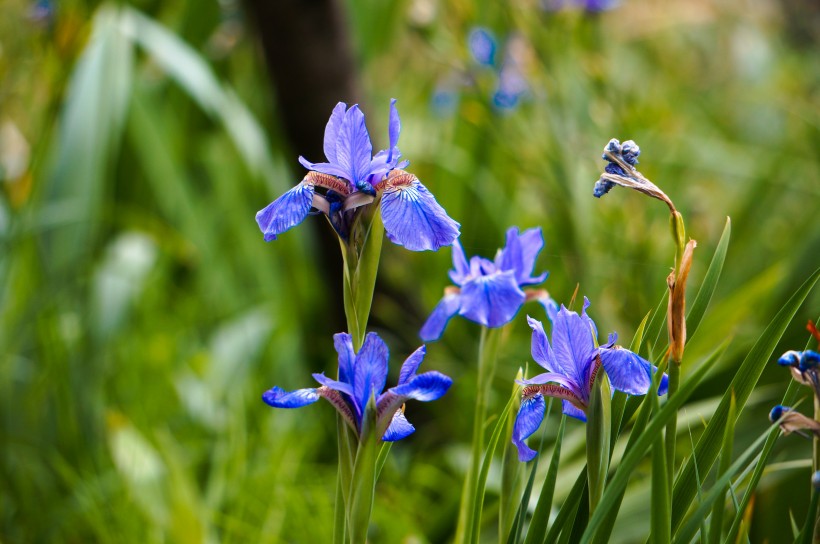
(487, 350)
(357, 465)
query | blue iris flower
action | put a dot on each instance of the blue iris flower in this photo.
(490, 292)
(363, 375)
(352, 177)
(571, 362)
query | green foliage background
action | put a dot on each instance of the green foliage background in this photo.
(142, 315)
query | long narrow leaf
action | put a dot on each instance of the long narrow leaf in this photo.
(708, 447)
(710, 281)
(540, 518)
(718, 491)
(481, 482)
(634, 455)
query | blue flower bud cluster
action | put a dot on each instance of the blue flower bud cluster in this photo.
(628, 152)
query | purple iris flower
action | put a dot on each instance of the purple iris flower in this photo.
(362, 375)
(490, 292)
(572, 361)
(352, 178)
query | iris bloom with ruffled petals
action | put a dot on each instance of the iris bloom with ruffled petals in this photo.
(362, 375)
(572, 362)
(490, 292)
(352, 178)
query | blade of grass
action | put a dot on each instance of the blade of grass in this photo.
(710, 281)
(716, 525)
(481, 481)
(540, 518)
(718, 491)
(568, 510)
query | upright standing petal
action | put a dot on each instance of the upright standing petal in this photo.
(343, 343)
(540, 346)
(491, 300)
(519, 254)
(353, 148)
(529, 418)
(434, 327)
(370, 372)
(412, 217)
(573, 345)
(332, 131)
(394, 129)
(285, 212)
(411, 365)
(461, 268)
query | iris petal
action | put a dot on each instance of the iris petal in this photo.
(573, 411)
(491, 300)
(325, 168)
(332, 131)
(541, 349)
(519, 254)
(353, 147)
(394, 129)
(434, 327)
(399, 428)
(411, 364)
(370, 371)
(529, 418)
(629, 372)
(551, 377)
(424, 387)
(279, 398)
(343, 343)
(572, 345)
(342, 387)
(413, 218)
(461, 268)
(285, 212)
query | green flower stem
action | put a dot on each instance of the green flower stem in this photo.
(355, 488)
(815, 464)
(671, 427)
(599, 427)
(487, 350)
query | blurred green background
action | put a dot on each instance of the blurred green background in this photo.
(143, 316)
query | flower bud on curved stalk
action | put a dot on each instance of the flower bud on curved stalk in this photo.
(676, 315)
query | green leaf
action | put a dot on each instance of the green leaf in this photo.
(89, 130)
(568, 510)
(656, 326)
(363, 484)
(806, 535)
(481, 481)
(659, 511)
(633, 456)
(788, 400)
(710, 281)
(540, 519)
(183, 64)
(599, 429)
(708, 447)
(716, 524)
(718, 491)
(367, 267)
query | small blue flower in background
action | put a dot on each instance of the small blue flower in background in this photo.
(511, 86)
(352, 177)
(482, 45)
(590, 6)
(362, 375)
(572, 361)
(489, 292)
